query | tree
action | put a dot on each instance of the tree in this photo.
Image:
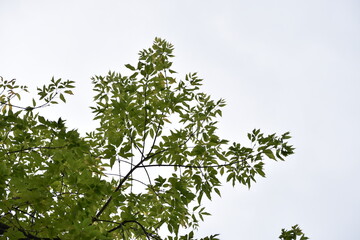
(142, 173)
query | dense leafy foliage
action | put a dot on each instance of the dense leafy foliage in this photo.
(142, 174)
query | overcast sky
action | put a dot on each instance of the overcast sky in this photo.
(281, 65)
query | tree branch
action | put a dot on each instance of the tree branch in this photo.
(34, 148)
(30, 108)
(114, 174)
(148, 235)
(193, 166)
(4, 227)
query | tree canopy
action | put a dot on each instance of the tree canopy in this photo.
(141, 174)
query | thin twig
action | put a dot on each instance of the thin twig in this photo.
(193, 166)
(114, 174)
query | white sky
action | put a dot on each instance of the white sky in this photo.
(281, 65)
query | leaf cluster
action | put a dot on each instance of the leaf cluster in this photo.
(293, 234)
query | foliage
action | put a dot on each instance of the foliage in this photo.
(292, 234)
(109, 184)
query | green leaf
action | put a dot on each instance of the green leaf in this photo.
(130, 67)
(42, 119)
(62, 97)
(269, 154)
(217, 192)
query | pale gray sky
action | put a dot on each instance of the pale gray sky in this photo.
(282, 65)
